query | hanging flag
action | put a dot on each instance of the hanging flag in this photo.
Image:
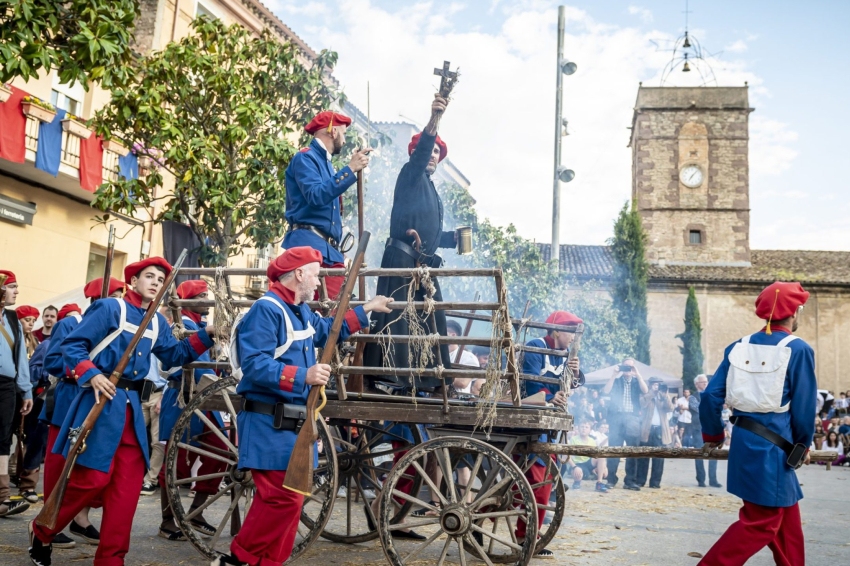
(91, 163)
(13, 133)
(128, 166)
(49, 150)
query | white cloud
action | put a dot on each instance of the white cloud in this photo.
(737, 47)
(644, 14)
(499, 126)
(772, 147)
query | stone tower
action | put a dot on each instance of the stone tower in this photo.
(690, 174)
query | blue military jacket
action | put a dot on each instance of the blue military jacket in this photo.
(169, 407)
(312, 197)
(278, 380)
(757, 469)
(101, 321)
(63, 393)
(544, 366)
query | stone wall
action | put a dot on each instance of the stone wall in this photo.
(671, 131)
(727, 315)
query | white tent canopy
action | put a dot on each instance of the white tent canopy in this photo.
(601, 376)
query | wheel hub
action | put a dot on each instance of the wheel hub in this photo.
(455, 521)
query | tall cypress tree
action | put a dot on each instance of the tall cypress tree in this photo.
(631, 272)
(691, 348)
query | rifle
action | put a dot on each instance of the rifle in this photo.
(50, 511)
(19, 450)
(107, 266)
(299, 473)
(568, 379)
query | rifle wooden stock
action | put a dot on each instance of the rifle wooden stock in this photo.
(647, 452)
(299, 472)
(50, 511)
(355, 382)
(107, 266)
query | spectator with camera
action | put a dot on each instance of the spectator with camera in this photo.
(625, 388)
(654, 430)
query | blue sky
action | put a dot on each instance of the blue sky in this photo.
(498, 127)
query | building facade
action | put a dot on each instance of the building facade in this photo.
(690, 183)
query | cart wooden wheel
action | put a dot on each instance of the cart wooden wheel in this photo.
(464, 522)
(365, 452)
(234, 488)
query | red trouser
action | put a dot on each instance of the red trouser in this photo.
(53, 465)
(778, 528)
(333, 284)
(119, 490)
(404, 485)
(186, 459)
(536, 474)
(268, 533)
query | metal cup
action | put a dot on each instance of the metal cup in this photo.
(464, 240)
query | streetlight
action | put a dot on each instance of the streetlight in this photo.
(561, 174)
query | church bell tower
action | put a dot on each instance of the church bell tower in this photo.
(690, 174)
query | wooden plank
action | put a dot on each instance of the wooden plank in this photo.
(340, 272)
(648, 452)
(394, 305)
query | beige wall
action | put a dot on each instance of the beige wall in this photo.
(728, 315)
(51, 257)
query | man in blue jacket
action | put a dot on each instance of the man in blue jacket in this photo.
(275, 353)
(116, 458)
(768, 378)
(171, 410)
(314, 192)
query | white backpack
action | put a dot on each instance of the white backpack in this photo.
(291, 336)
(756, 377)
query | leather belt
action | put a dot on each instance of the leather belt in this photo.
(142, 386)
(796, 452)
(433, 261)
(286, 416)
(320, 233)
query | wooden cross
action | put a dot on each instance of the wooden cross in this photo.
(447, 79)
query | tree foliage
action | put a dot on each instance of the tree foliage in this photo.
(221, 111)
(631, 273)
(83, 40)
(691, 348)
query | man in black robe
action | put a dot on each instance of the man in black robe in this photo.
(416, 206)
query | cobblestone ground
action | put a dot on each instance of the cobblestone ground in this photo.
(622, 527)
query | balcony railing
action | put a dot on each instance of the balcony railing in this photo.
(69, 162)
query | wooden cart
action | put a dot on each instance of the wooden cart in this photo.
(377, 446)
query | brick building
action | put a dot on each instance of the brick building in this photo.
(690, 180)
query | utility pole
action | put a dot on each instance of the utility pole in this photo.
(561, 174)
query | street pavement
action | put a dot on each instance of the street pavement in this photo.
(670, 526)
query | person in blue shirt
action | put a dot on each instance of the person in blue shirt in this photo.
(551, 366)
(314, 192)
(275, 354)
(170, 410)
(116, 457)
(14, 381)
(768, 378)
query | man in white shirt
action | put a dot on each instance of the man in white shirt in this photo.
(467, 358)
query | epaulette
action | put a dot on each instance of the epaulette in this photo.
(304, 150)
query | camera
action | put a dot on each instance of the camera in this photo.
(625, 368)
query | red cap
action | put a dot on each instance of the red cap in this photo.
(290, 259)
(10, 277)
(780, 300)
(68, 309)
(564, 318)
(414, 141)
(191, 288)
(135, 268)
(95, 286)
(24, 311)
(327, 119)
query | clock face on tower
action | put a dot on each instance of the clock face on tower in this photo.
(691, 176)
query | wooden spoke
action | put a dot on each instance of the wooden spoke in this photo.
(413, 524)
(445, 462)
(184, 481)
(493, 536)
(210, 500)
(474, 544)
(445, 551)
(495, 514)
(226, 516)
(414, 500)
(196, 450)
(473, 474)
(427, 542)
(214, 428)
(430, 483)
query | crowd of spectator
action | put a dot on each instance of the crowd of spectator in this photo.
(632, 411)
